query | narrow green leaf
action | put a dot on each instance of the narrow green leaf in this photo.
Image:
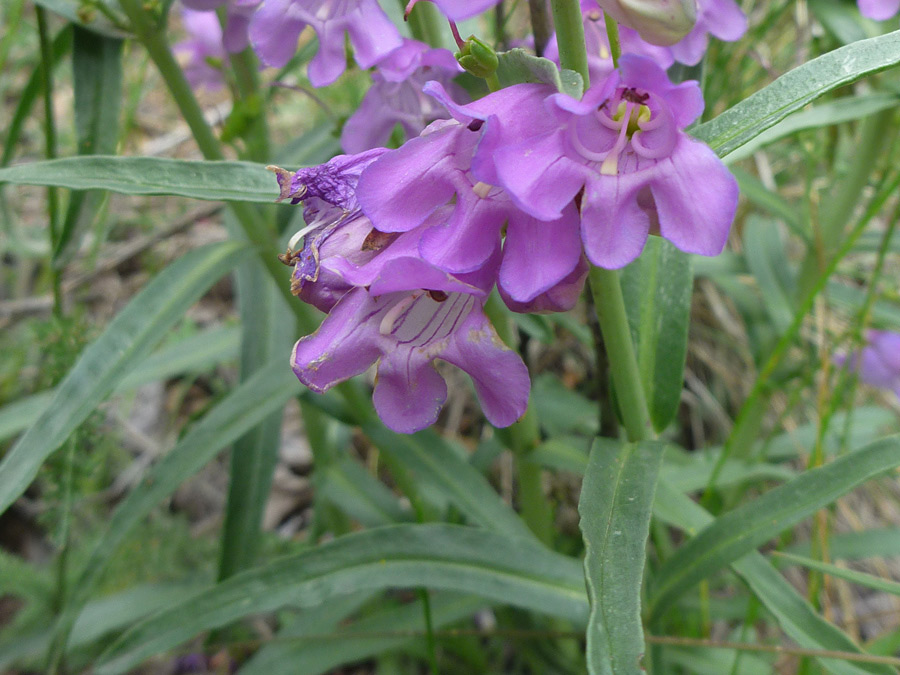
(878, 543)
(861, 578)
(61, 45)
(766, 258)
(615, 505)
(738, 532)
(244, 408)
(793, 90)
(657, 289)
(462, 559)
(842, 110)
(753, 189)
(79, 13)
(357, 493)
(309, 654)
(431, 458)
(103, 364)
(794, 614)
(213, 181)
(843, 20)
(267, 331)
(97, 83)
(192, 354)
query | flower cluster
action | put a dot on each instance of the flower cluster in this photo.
(520, 190)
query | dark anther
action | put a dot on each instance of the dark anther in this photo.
(437, 296)
(631, 94)
(475, 125)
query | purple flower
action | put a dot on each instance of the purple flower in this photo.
(277, 25)
(404, 329)
(457, 10)
(238, 13)
(621, 152)
(203, 50)
(720, 18)
(879, 10)
(396, 96)
(401, 190)
(878, 363)
(600, 63)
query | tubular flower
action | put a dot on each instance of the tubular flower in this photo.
(879, 10)
(621, 150)
(203, 51)
(389, 306)
(396, 96)
(878, 363)
(402, 189)
(276, 26)
(238, 13)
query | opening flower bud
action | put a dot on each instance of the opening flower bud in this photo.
(659, 22)
(478, 58)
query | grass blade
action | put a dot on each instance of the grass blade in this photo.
(106, 361)
(462, 559)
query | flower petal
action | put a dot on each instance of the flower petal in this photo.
(409, 392)
(614, 227)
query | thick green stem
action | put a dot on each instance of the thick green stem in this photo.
(570, 36)
(623, 366)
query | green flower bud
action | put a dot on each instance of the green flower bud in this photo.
(478, 58)
(659, 22)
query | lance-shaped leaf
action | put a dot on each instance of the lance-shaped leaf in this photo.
(615, 505)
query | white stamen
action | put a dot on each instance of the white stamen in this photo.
(386, 326)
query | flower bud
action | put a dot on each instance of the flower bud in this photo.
(659, 22)
(478, 58)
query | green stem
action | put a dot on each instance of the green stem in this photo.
(493, 82)
(623, 365)
(429, 630)
(50, 150)
(258, 233)
(570, 36)
(57, 653)
(612, 34)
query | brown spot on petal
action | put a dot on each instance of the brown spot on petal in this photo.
(375, 240)
(437, 296)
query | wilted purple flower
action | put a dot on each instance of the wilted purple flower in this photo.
(720, 18)
(600, 63)
(457, 10)
(396, 96)
(203, 50)
(238, 13)
(277, 25)
(335, 227)
(878, 363)
(402, 189)
(879, 10)
(621, 152)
